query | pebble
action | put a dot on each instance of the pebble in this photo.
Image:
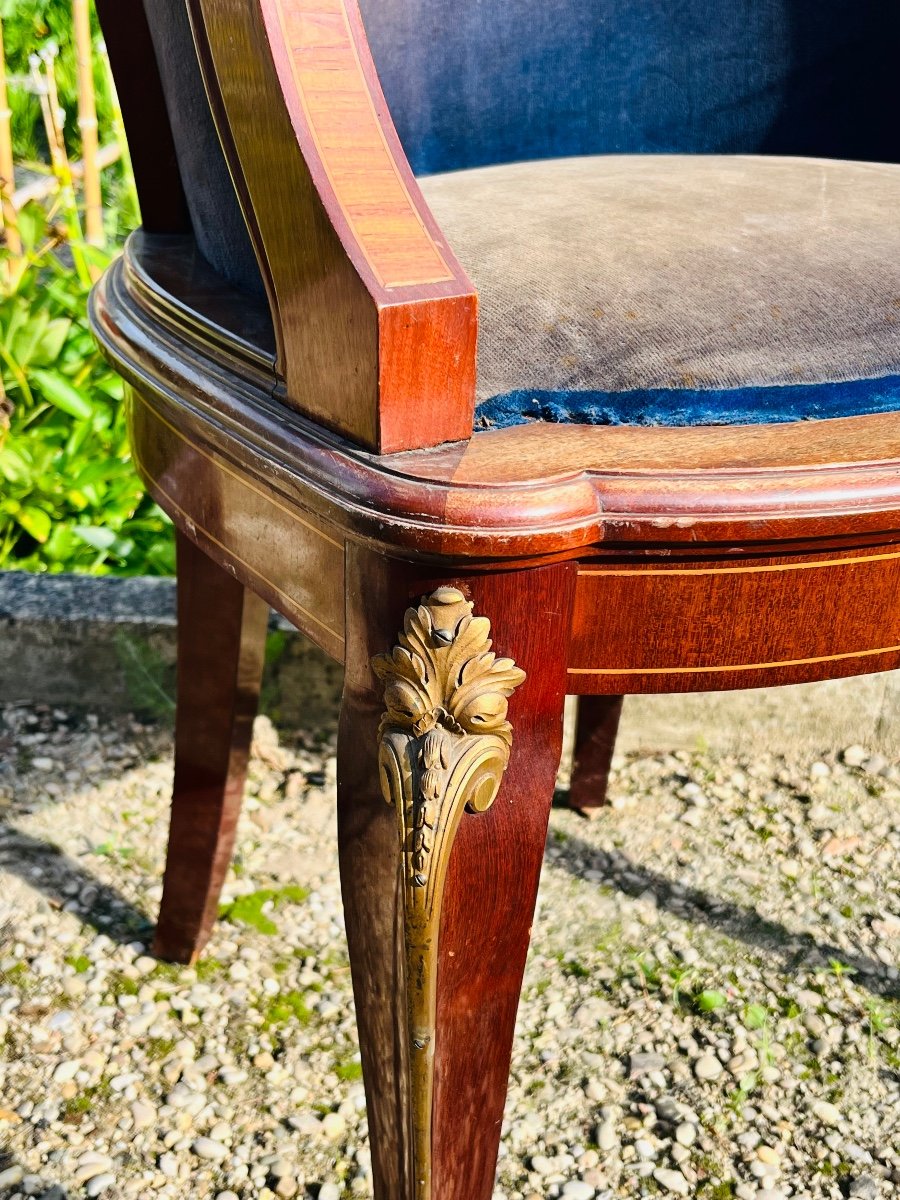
(686, 1134)
(672, 1181)
(209, 1148)
(855, 756)
(607, 1138)
(707, 1066)
(99, 1184)
(66, 1071)
(577, 1189)
(143, 1115)
(333, 1126)
(643, 1063)
(864, 1187)
(827, 1113)
(329, 1191)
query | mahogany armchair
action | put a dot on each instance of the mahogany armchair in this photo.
(676, 467)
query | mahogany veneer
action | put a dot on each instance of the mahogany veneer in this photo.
(305, 451)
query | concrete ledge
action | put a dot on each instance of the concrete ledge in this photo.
(108, 645)
(105, 644)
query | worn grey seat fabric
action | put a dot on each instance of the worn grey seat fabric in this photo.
(680, 289)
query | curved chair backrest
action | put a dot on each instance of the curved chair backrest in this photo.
(374, 318)
(484, 81)
(472, 82)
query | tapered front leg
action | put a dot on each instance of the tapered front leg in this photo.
(595, 741)
(449, 744)
(221, 648)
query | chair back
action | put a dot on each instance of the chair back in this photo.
(486, 81)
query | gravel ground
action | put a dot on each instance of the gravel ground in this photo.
(711, 1006)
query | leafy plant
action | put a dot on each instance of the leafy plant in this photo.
(70, 498)
(252, 909)
(710, 1001)
(29, 26)
(284, 1007)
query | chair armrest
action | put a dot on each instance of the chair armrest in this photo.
(375, 319)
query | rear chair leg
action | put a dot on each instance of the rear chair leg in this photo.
(443, 801)
(595, 741)
(221, 647)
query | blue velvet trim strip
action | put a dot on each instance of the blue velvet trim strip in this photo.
(689, 406)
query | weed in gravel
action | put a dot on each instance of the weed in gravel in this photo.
(120, 984)
(286, 1006)
(158, 1048)
(253, 908)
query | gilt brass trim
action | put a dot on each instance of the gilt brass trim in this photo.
(444, 743)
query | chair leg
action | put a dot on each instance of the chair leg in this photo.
(221, 647)
(595, 741)
(441, 850)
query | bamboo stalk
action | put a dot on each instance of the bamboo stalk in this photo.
(56, 112)
(87, 123)
(7, 170)
(45, 86)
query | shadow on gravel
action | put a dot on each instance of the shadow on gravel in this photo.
(62, 880)
(738, 921)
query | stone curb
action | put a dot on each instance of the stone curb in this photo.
(107, 645)
(104, 644)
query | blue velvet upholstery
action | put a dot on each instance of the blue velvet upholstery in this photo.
(694, 406)
(473, 82)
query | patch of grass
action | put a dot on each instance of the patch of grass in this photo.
(286, 1006)
(350, 1071)
(724, 1190)
(208, 969)
(14, 974)
(248, 910)
(574, 969)
(166, 973)
(710, 1001)
(158, 1048)
(119, 984)
(79, 963)
(111, 850)
(756, 1016)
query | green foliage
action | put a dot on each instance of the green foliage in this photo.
(285, 1007)
(69, 497)
(349, 1071)
(248, 910)
(29, 26)
(710, 1001)
(756, 1016)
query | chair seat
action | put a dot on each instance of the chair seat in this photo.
(678, 289)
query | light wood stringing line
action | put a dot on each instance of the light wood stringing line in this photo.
(292, 602)
(223, 466)
(797, 566)
(763, 666)
(430, 265)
